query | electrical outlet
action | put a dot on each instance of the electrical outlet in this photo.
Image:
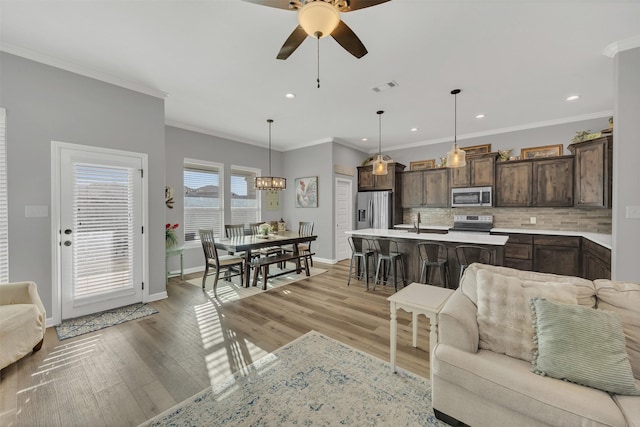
(633, 212)
(532, 220)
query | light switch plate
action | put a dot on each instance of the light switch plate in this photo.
(633, 212)
(36, 211)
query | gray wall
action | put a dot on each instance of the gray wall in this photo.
(181, 144)
(626, 153)
(47, 104)
(516, 140)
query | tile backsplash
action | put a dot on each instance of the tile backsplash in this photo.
(561, 219)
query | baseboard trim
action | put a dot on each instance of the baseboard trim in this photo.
(157, 296)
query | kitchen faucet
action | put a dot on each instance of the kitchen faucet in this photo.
(417, 224)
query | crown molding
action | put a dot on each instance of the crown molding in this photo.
(621, 45)
(79, 69)
(217, 134)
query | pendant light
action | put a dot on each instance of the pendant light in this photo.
(380, 165)
(274, 183)
(455, 157)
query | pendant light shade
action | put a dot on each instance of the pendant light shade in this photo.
(270, 182)
(380, 165)
(456, 157)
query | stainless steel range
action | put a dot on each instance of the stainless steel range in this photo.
(472, 223)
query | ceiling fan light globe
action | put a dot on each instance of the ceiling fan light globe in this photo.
(318, 19)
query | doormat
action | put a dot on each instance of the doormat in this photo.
(93, 322)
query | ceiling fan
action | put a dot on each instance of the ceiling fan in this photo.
(320, 18)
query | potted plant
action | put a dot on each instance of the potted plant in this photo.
(265, 229)
(171, 239)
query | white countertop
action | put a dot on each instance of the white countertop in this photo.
(600, 239)
(454, 237)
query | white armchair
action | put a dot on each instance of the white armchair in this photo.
(22, 321)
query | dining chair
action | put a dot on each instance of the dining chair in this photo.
(305, 228)
(389, 256)
(218, 263)
(234, 230)
(433, 255)
(468, 254)
(362, 251)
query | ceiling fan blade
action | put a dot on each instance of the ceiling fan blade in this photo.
(291, 44)
(280, 4)
(348, 40)
(360, 4)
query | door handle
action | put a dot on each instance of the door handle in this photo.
(68, 231)
(67, 242)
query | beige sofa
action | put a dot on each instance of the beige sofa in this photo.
(480, 387)
(22, 321)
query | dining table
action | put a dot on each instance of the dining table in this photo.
(253, 242)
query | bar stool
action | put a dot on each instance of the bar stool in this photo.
(361, 251)
(468, 254)
(434, 255)
(388, 256)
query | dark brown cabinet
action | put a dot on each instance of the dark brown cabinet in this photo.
(479, 172)
(596, 261)
(428, 188)
(518, 252)
(514, 182)
(553, 182)
(367, 181)
(593, 172)
(535, 183)
(556, 254)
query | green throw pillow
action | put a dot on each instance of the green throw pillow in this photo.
(582, 345)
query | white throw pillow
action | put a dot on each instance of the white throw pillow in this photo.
(505, 321)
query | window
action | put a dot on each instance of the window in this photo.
(4, 208)
(203, 198)
(245, 203)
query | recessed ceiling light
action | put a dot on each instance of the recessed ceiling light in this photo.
(573, 97)
(290, 95)
(365, 139)
(481, 116)
(414, 129)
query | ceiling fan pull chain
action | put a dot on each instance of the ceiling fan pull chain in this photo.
(318, 79)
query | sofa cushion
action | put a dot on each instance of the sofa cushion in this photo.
(510, 383)
(624, 299)
(585, 289)
(20, 330)
(505, 321)
(630, 408)
(582, 345)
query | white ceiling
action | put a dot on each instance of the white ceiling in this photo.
(516, 61)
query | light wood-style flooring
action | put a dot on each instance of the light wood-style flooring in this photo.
(124, 375)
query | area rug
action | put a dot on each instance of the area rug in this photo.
(93, 322)
(233, 291)
(313, 380)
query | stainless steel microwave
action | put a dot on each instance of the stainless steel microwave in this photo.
(472, 196)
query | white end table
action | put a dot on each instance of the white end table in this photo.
(417, 298)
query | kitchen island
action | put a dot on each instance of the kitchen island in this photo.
(408, 241)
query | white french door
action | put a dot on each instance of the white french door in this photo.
(100, 230)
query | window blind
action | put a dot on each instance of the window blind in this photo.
(245, 208)
(203, 197)
(104, 240)
(4, 206)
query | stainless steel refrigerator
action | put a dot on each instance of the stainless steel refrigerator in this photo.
(374, 209)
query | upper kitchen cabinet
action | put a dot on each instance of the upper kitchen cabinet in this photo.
(546, 182)
(593, 172)
(479, 171)
(428, 188)
(367, 181)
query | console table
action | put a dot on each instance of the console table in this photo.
(173, 251)
(417, 298)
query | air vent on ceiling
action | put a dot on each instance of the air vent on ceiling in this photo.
(386, 86)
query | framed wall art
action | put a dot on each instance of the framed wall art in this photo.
(307, 192)
(422, 164)
(542, 151)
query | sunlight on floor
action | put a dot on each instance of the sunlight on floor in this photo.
(68, 354)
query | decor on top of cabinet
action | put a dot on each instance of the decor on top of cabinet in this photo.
(586, 135)
(542, 151)
(422, 164)
(503, 155)
(477, 149)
